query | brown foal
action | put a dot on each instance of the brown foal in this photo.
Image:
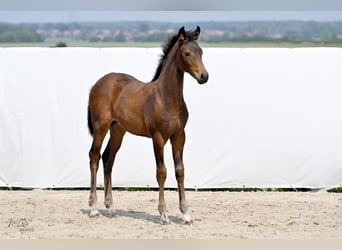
(119, 103)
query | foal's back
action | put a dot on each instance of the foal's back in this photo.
(121, 98)
(112, 84)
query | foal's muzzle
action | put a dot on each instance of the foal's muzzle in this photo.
(203, 78)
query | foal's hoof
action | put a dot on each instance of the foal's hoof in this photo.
(164, 219)
(112, 212)
(188, 220)
(94, 213)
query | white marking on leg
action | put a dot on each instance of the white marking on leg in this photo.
(112, 212)
(94, 213)
(164, 219)
(187, 219)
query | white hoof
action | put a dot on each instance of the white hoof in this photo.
(112, 212)
(164, 219)
(94, 213)
(187, 219)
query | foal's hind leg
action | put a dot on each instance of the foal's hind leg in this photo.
(177, 152)
(108, 157)
(94, 156)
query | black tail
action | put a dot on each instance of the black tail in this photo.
(90, 123)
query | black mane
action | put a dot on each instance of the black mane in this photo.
(167, 46)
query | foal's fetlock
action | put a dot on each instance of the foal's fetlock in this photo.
(112, 212)
(108, 204)
(186, 216)
(91, 201)
(93, 209)
(110, 208)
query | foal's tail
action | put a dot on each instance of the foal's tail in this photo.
(90, 123)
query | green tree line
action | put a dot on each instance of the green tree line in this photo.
(136, 31)
(11, 34)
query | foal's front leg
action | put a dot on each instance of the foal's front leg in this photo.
(177, 152)
(158, 146)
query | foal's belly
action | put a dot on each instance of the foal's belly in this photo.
(137, 129)
(132, 123)
(137, 125)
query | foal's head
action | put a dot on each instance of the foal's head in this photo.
(191, 55)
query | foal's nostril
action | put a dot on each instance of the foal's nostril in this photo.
(204, 78)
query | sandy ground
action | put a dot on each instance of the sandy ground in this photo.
(217, 215)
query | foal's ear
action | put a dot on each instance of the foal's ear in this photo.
(181, 34)
(197, 32)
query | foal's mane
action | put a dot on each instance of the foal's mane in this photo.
(167, 46)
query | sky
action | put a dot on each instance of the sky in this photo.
(17, 11)
(15, 16)
(172, 5)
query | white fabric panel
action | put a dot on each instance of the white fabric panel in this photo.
(266, 118)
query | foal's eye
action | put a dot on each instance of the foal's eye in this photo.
(187, 54)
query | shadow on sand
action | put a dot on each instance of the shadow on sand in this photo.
(134, 215)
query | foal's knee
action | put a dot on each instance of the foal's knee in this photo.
(93, 155)
(179, 170)
(161, 174)
(94, 160)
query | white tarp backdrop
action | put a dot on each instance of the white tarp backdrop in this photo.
(266, 118)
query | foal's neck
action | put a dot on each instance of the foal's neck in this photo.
(171, 80)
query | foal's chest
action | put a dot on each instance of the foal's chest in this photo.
(173, 121)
